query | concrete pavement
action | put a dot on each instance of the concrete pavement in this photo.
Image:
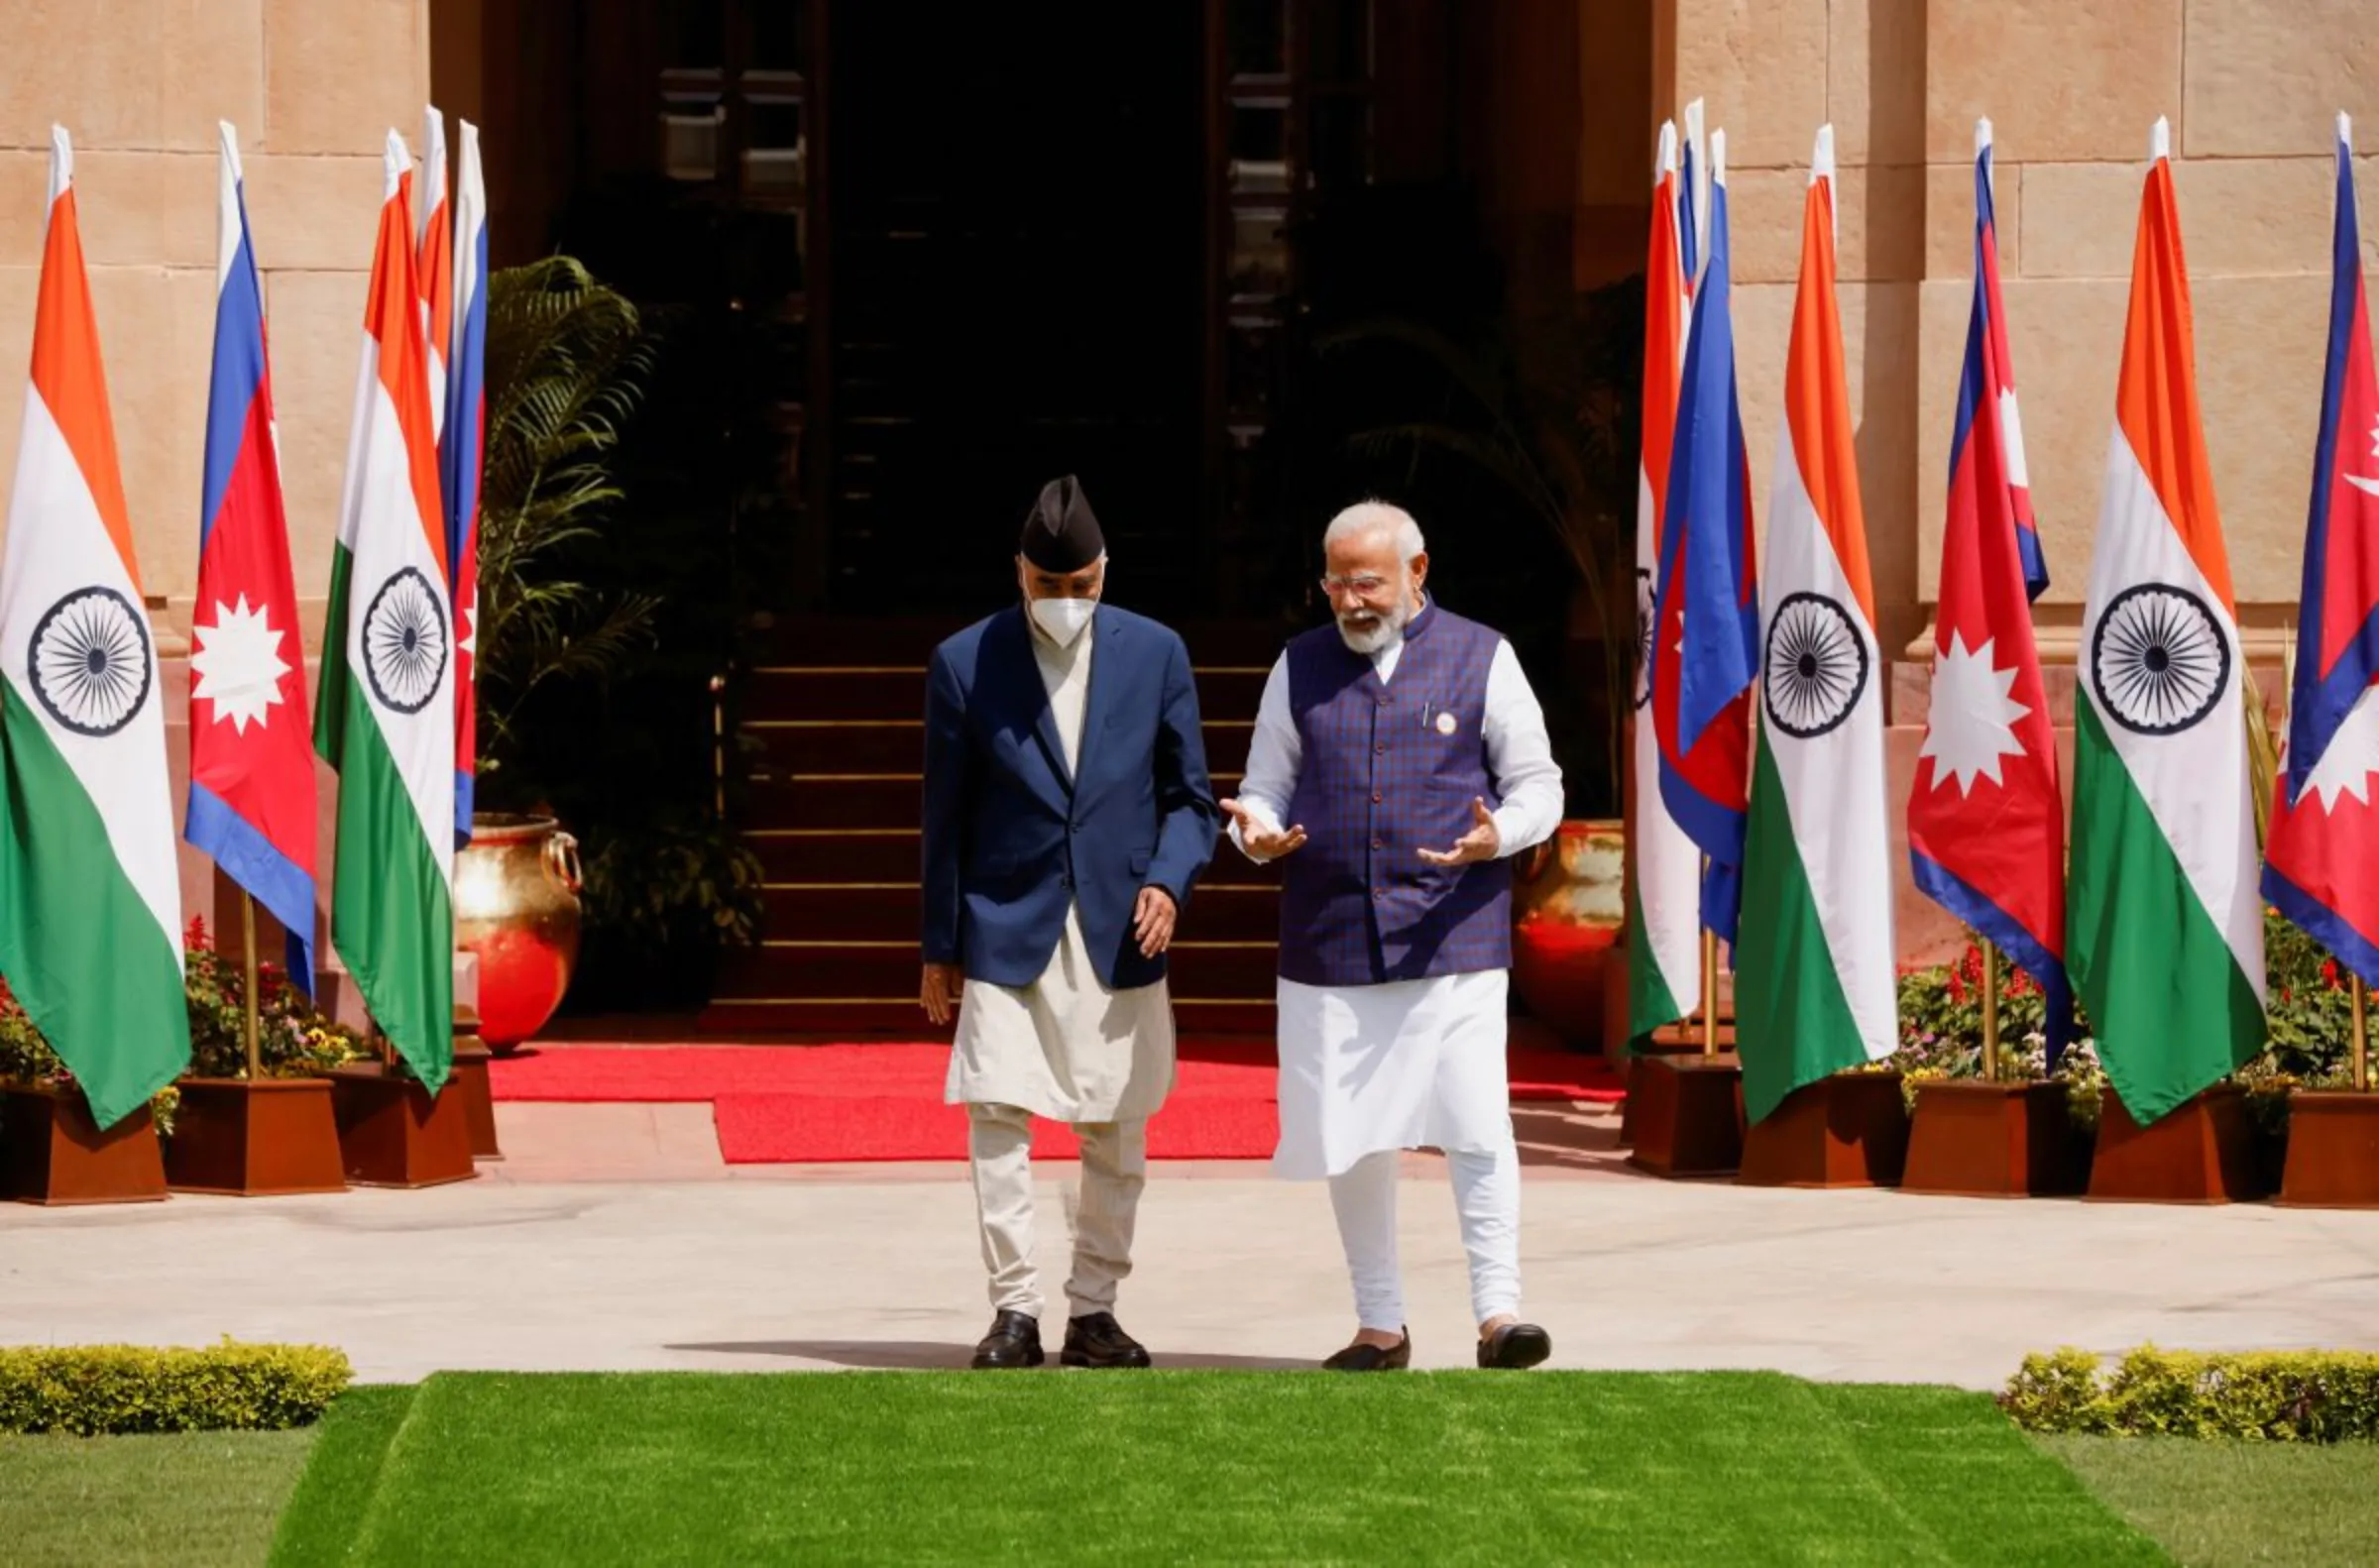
(612, 1238)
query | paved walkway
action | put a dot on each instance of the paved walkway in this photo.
(612, 1238)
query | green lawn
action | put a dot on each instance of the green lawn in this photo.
(2217, 1503)
(1193, 1466)
(204, 1500)
(1171, 1467)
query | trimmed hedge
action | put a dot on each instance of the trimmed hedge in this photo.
(89, 1390)
(2284, 1397)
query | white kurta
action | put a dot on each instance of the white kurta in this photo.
(1065, 1047)
(1412, 1063)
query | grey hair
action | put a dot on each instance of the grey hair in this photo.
(1365, 515)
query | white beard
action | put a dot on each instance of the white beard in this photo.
(1369, 634)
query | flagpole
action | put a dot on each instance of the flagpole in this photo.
(253, 1030)
(1709, 993)
(1991, 1012)
(2362, 1048)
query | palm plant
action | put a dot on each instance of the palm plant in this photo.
(1547, 412)
(566, 358)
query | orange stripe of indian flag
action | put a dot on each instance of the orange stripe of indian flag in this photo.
(1815, 988)
(2165, 926)
(90, 902)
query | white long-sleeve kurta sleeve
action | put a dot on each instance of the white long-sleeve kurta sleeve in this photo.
(1520, 754)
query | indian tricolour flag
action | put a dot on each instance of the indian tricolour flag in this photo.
(386, 715)
(90, 901)
(1814, 987)
(1664, 980)
(2164, 925)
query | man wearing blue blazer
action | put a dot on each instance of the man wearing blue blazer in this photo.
(1067, 815)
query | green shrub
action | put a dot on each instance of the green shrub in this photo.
(2286, 1397)
(89, 1390)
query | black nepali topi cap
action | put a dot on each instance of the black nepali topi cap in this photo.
(1060, 533)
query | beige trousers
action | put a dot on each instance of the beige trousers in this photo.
(1115, 1168)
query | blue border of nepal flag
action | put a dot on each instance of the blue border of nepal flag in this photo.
(251, 800)
(1986, 816)
(2322, 850)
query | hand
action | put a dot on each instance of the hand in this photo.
(940, 992)
(1152, 921)
(1265, 844)
(1482, 842)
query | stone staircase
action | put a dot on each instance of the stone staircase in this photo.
(833, 747)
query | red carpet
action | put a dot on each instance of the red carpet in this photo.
(779, 1104)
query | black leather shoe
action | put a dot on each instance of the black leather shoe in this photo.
(1014, 1341)
(1097, 1340)
(1514, 1346)
(1362, 1357)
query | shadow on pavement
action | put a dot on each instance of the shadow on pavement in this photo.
(930, 1355)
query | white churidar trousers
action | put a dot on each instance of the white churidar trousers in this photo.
(1487, 1204)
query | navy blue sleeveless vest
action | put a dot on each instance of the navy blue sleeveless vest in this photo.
(1386, 771)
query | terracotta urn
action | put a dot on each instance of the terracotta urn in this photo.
(515, 905)
(1568, 908)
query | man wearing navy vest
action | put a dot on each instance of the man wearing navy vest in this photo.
(1406, 756)
(1067, 813)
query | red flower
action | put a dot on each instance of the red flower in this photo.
(1957, 988)
(196, 938)
(2330, 975)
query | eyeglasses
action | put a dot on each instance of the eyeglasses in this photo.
(1365, 587)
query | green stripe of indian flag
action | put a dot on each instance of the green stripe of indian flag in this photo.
(91, 899)
(388, 686)
(1664, 969)
(1815, 989)
(2165, 924)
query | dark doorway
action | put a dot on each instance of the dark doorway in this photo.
(1018, 244)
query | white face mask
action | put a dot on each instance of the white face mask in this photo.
(1063, 619)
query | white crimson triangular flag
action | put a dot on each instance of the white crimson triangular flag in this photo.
(90, 896)
(385, 717)
(2164, 922)
(1815, 989)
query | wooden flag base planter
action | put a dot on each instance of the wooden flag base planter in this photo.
(1971, 1139)
(1657, 1045)
(244, 1139)
(2332, 1150)
(50, 1152)
(469, 1084)
(1844, 1131)
(2202, 1153)
(393, 1133)
(1689, 1119)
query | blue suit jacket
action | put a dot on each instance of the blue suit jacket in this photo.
(1011, 837)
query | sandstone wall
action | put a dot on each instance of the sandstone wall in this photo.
(2250, 88)
(312, 87)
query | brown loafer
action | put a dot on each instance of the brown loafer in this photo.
(1361, 1357)
(1514, 1346)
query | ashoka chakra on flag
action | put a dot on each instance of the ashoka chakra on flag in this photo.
(2159, 660)
(1816, 665)
(404, 642)
(89, 662)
